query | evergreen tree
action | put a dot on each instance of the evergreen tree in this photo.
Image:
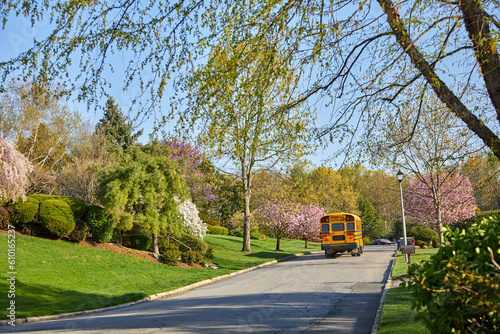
(116, 126)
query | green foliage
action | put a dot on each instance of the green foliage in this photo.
(116, 127)
(171, 257)
(422, 233)
(210, 253)
(144, 182)
(435, 242)
(80, 231)
(465, 224)
(99, 223)
(414, 266)
(372, 223)
(217, 230)
(26, 211)
(125, 222)
(211, 222)
(458, 287)
(56, 216)
(195, 243)
(137, 241)
(257, 236)
(366, 241)
(191, 257)
(420, 243)
(77, 205)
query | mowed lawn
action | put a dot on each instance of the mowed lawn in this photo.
(397, 315)
(57, 277)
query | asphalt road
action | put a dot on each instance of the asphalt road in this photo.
(311, 294)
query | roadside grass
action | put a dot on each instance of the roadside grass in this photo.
(55, 277)
(397, 315)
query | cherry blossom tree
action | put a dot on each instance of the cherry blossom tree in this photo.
(279, 217)
(192, 222)
(306, 223)
(14, 171)
(440, 199)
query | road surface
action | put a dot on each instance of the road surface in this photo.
(311, 294)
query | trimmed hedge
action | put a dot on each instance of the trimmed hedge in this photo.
(77, 205)
(56, 216)
(221, 230)
(99, 223)
(26, 211)
(80, 231)
(137, 241)
(423, 234)
(195, 243)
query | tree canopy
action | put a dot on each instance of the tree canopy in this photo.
(358, 59)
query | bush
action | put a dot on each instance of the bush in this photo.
(137, 241)
(210, 253)
(421, 243)
(465, 224)
(99, 223)
(435, 242)
(217, 230)
(26, 211)
(80, 231)
(191, 257)
(458, 287)
(56, 216)
(5, 218)
(195, 243)
(171, 257)
(423, 233)
(257, 236)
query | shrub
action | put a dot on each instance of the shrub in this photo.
(56, 216)
(435, 242)
(80, 231)
(137, 241)
(210, 253)
(191, 257)
(77, 205)
(26, 211)
(5, 217)
(99, 223)
(458, 287)
(366, 241)
(217, 230)
(465, 224)
(423, 233)
(257, 236)
(171, 257)
(421, 243)
(195, 243)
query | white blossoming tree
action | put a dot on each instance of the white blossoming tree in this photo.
(14, 171)
(192, 222)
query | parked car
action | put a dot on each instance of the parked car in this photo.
(382, 242)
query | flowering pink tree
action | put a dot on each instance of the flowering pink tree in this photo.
(279, 218)
(439, 200)
(190, 157)
(306, 223)
(14, 170)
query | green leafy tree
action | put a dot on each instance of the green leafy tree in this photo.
(235, 100)
(366, 57)
(372, 223)
(145, 182)
(116, 127)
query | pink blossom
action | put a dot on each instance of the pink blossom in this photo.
(452, 195)
(13, 173)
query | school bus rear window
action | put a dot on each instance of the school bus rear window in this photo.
(325, 228)
(350, 226)
(337, 227)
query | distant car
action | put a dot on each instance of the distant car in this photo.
(382, 242)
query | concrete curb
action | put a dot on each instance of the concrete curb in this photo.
(387, 286)
(153, 297)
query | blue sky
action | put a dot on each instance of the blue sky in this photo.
(18, 36)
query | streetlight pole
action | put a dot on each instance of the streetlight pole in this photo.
(400, 179)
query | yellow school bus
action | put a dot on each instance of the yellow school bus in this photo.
(341, 232)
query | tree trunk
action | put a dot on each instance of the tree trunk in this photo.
(278, 239)
(154, 238)
(306, 243)
(247, 194)
(442, 91)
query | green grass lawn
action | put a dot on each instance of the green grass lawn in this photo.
(57, 277)
(397, 315)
